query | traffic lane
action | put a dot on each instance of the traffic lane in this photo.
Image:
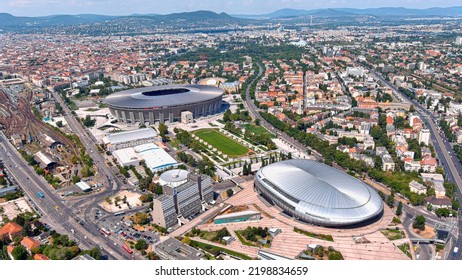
(43, 204)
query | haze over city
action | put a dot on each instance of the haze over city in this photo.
(122, 7)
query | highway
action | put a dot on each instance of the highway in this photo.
(443, 149)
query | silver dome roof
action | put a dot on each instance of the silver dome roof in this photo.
(320, 193)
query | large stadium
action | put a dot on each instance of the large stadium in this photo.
(164, 103)
(318, 194)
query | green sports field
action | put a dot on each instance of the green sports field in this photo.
(221, 142)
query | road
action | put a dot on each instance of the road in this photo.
(281, 135)
(112, 182)
(50, 207)
(443, 149)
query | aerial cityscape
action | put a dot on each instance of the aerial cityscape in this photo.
(293, 131)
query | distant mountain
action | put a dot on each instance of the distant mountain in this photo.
(400, 11)
(197, 15)
(380, 12)
(8, 20)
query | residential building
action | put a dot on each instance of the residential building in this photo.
(29, 243)
(10, 230)
(417, 187)
(424, 136)
(387, 163)
(436, 203)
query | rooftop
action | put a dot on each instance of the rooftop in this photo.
(127, 136)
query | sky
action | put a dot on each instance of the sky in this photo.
(127, 7)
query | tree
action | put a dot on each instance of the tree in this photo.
(141, 218)
(399, 209)
(391, 200)
(227, 116)
(88, 121)
(152, 256)
(59, 123)
(20, 253)
(245, 170)
(94, 253)
(419, 223)
(229, 192)
(75, 179)
(163, 130)
(141, 245)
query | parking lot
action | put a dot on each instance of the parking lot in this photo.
(121, 229)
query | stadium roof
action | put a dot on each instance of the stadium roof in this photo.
(162, 96)
(321, 192)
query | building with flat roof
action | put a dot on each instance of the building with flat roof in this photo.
(126, 157)
(164, 212)
(155, 158)
(6, 190)
(432, 177)
(128, 139)
(264, 255)
(237, 217)
(172, 249)
(185, 199)
(83, 186)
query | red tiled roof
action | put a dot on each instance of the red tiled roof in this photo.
(10, 228)
(30, 243)
(40, 257)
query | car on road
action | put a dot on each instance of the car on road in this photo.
(455, 251)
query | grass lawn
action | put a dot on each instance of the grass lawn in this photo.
(215, 250)
(221, 142)
(393, 234)
(314, 235)
(258, 130)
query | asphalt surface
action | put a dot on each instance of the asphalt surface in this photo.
(111, 186)
(50, 207)
(443, 149)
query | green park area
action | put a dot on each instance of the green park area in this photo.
(221, 142)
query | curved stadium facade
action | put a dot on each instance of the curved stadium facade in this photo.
(164, 103)
(319, 194)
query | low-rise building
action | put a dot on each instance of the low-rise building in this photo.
(417, 187)
(10, 230)
(29, 243)
(436, 203)
(128, 139)
(387, 163)
(172, 249)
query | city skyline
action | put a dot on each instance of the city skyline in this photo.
(117, 7)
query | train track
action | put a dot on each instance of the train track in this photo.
(21, 120)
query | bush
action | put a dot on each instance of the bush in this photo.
(419, 223)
